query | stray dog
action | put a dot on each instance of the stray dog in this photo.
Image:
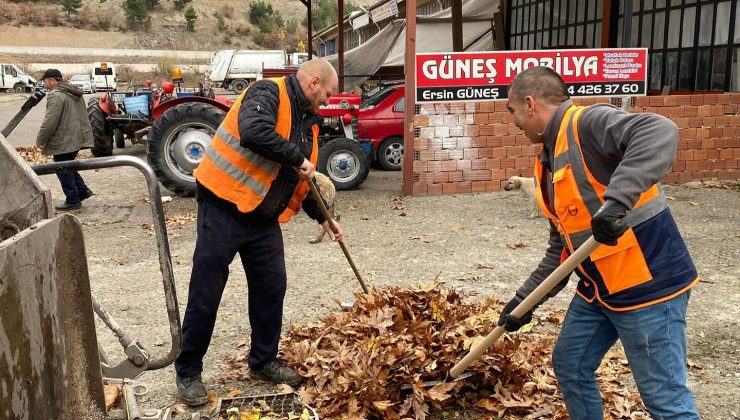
(329, 194)
(528, 189)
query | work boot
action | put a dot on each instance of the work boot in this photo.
(191, 390)
(276, 372)
(66, 206)
(87, 195)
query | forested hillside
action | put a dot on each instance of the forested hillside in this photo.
(164, 24)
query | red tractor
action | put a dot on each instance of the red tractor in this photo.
(178, 128)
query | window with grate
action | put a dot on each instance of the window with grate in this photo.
(538, 24)
(693, 44)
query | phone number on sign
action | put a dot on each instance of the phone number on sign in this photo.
(595, 89)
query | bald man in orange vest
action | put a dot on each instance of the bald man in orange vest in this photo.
(252, 178)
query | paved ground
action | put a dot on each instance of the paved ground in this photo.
(394, 241)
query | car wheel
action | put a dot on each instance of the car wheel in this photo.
(101, 129)
(344, 161)
(390, 154)
(19, 87)
(178, 141)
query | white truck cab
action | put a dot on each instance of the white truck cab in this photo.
(104, 75)
(13, 78)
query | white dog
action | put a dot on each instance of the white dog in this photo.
(329, 194)
(526, 185)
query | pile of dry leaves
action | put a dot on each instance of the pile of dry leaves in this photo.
(355, 362)
(32, 155)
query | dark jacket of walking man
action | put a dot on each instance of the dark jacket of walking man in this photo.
(251, 179)
(598, 173)
(64, 131)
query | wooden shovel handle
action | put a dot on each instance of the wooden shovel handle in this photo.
(320, 200)
(534, 298)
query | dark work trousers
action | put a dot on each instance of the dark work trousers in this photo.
(73, 185)
(260, 246)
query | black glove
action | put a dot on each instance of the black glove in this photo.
(608, 224)
(510, 322)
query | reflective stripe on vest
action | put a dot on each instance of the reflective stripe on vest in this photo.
(239, 175)
(577, 197)
(588, 193)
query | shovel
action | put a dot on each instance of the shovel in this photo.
(320, 200)
(534, 298)
(457, 372)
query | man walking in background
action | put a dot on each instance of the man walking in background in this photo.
(64, 131)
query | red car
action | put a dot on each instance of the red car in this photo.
(381, 122)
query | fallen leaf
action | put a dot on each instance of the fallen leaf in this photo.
(234, 392)
(178, 408)
(284, 389)
(213, 402)
(383, 405)
(527, 327)
(263, 405)
(440, 391)
(112, 394)
(694, 365)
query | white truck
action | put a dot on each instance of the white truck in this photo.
(235, 70)
(12, 78)
(104, 75)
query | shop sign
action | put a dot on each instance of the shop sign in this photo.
(485, 76)
(384, 11)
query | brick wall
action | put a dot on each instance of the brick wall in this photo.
(475, 147)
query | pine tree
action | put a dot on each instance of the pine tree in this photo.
(180, 4)
(190, 16)
(71, 6)
(136, 11)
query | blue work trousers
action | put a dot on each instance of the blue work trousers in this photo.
(654, 340)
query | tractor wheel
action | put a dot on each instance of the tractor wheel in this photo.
(119, 139)
(239, 85)
(390, 154)
(178, 141)
(101, 129)
(344, 162)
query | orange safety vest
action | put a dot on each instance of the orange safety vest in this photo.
(241, 176)
(621, 277)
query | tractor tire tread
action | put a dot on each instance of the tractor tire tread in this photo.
(159, 131)
(101, 129)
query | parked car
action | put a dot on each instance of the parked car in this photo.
(84, 82)
(380, 121)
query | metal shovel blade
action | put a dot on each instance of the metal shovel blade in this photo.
(429, 384)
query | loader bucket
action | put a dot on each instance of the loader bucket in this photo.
(24, 199)
(49, 365)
